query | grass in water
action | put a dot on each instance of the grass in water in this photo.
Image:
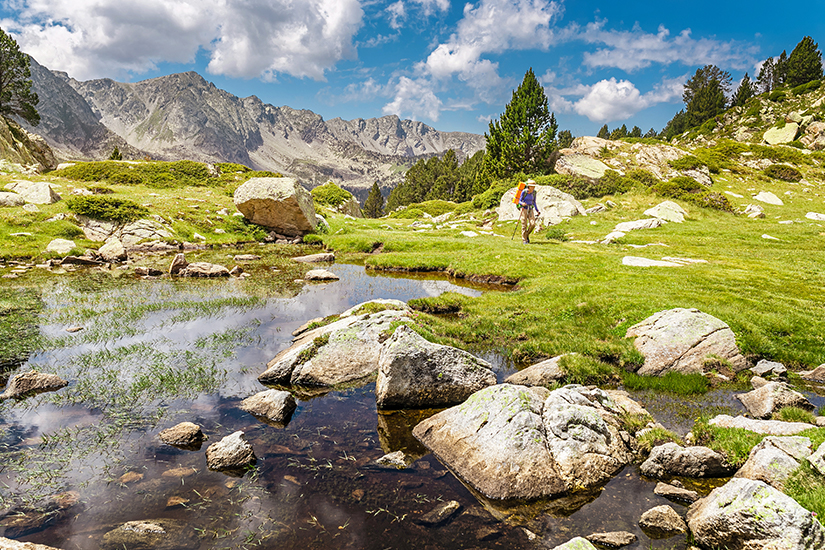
(672, 382)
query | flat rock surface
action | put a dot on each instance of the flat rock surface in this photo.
(315, 258)
(770, 427)
(440, 513)
(157, 534)
(9, 544)
(671, 459)
(577, 543)
(581, 165)
(675, 493)
(540, 374)
(649, 223)
(668, 211)
(768, 198)
(203, 269)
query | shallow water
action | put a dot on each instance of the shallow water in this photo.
(153, 353)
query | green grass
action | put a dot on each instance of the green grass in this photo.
(734, 443)
(672, 382)
(581, 369)
(448, 302)
(805, 486)
(655, 437)
(794, 414)
(330, 194)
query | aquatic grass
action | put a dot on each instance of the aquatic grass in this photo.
(654, 437)
(580, 369)
(672, 382)
(19, 330)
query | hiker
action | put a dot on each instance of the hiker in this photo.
(529, 211)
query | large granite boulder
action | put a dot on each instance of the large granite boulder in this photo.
(671, 459)
(680, 339)
(774, 458)
(342, 352)
(668, 211)
(11, 199)
(32, 382)
(34, 192)
(581, 165)
(553, 204)
(778, 136)
(281, 204)
(745, 514)
(416, 374)
(515, 442)
(771, 397)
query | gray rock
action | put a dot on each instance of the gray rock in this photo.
(769, 198)
(30, 208)
(553, 204)
(141, 230)
(581, 165)
(278, 203)
(246, 257)
(770, 427)
(342, 352)
(680, 340)
(415, 374)
(671, 459)
(749, 514)
(774, 458)
(814, 138)
(764, 367)
(32, 382)
(60, 246)
(440, 513)
(770, 398)
(778, 136)
(663, 520)
(754, 211)
(596, 209)
(145, 271)
(178, 263)
(668, 211)
(816, 375)
(112, 250)
(315, 258)
(396, 460)
(577, 543)
(230, 453)
(757, 382)
(274, 405)
(320, 275)
(203, 269)
(649, 223)
(614, 539)
(817, 459)
(185, 434)
(701, 175)
(675, 493)
(9, 544)
(540, 374)
(157, 534)
(34, 192)
(11, 199)
(510, 442)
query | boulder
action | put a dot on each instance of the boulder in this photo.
(514, 442)
(757, 382)
(814, 137)
(764, 367)
(112, 250)
(671, 459)
(668, 211)
(203, 269)
(769, 427)
(155, 534)
(315, 258)
(320, 275)
(11, 199)
(178, 263)
(817, 459)
(816, 375)
(754, 211)
(672, 492)
(145, 271)
(581, 165)
(815, 216)
(701, 175)
(778, 136)
(345, 351)
(655, 158)
(613, 539)
(663, 520)
(230, 453)
(34, 192)
(649, 223)
(416, 374)
(577, 543)
(60, 246)
(746, 514)
(186, 434)
(680, 339)
(275, 406)
(141, 230)
(553, 204)
(768, 198)
(9, 544)
(770, 398)
(774, 458)
(32, 382)
(281, 204)
(591, 146)
(540, 374)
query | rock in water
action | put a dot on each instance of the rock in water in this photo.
(510, 442)
(747, 514)
(60, 246)
(8, 544)
(278, 203)
(540, 374)
(416, 374)
(230, 453)
(663, 520)
(613, 539)
(186, 434)
(273, 405)
(680, 340)
(203, 269)
(577, 543)
(671, 459)
(154, 534)
(771, 397)
(320, 275)
(32, 382)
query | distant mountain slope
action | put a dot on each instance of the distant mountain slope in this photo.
(184, 116)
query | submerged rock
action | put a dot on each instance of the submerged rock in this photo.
(671, 459)
(152, 534)
(230, 453)
(514, 442)
(440, 513)
(17, 521)
(32, 382)
(746, 514)
(663, 520)
(8, 544)
(416, 374)
(681, 339)
(672, 492)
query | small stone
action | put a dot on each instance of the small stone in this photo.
(320, 275)
(174, 502)
(663, 520)
(130, 477)
(440, 513)
(230, 453)
(32, 382)
(74, 329)
(675, 493)
(179, 472)
(246, 257)
(315, 258)
(144, 271)
(614, 539)
(185, 434)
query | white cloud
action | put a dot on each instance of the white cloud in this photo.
(429, 5)
(397, 14)
(356, 92)
(414, 98)
(635, 49)
(609, 100)
(93, 38)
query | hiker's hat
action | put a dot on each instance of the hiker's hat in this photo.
(531, 183)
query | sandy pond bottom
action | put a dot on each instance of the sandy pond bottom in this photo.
(314, 485)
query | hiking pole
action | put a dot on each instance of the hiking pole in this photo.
(517, 224)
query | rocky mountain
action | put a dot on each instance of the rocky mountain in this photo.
(184, 116)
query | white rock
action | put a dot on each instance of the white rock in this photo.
(612, 237)
(649, 223)
(768, 198)
(60, 246)
(469, 234)
(732, 194)
(668, 211)
(635, 261)
(768, 237)
(816, 217)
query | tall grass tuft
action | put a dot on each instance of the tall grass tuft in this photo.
(672, 382)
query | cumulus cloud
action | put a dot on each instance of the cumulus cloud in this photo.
(612, 99)
(355, 92)
(93, 38)
(430, 5)
(397, 13)
(635, 49)
(414, 98)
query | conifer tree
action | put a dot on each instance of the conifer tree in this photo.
(805, 63)
(766, 75)
(565, 139)
(780, 71)
(116, 154)
(619, 132)
(523, 139)
(374, 205)
(744, 92)
(604, 132)
(651, 133)
(16, 96)
(636, 132)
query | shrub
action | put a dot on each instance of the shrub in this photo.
(753, 110)
(330, 194)
(643, 176)
(782, 172)
(556, 233)
(106, 208)
(613, 183)
(66, 230)
(491, 198)
(777, 95)
(435, 207)
(408, 214)
(688, 162)
(685, 188)
(231, 168)
(242, 226)
(797, 144)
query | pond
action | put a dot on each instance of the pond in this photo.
(78, 463)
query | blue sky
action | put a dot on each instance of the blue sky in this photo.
(451, 64)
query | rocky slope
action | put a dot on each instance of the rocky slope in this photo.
(184, 116)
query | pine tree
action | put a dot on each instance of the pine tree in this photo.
(16, 96)
(780, 71)
(374, 205)
(565, 139)
(523, 139)
(604, 133)
(702, 79)
(744, 92)
(116, 155)
(766, 78)
(708, 102)
(805, 63)
(636, 132)
(619, 133)
(651, 133)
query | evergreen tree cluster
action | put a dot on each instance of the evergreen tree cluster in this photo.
(622, 132)
(438, 178)
(16, 95)
(374, 205)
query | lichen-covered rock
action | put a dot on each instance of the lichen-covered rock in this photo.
(154, 534)
(671, 459)
(778, 136)
(416, 374)
(32, 382)
(581, 165)
(817, 459)
(577, 543)
(748, 515)
(769, 427)
(273, 405)
(554, 206)
(342, 352)
(281, 204)
(230, 453)
(186, 434)
(681, 339)
(774, 458)
(771, 397)
(515, 442)
(540, 374)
